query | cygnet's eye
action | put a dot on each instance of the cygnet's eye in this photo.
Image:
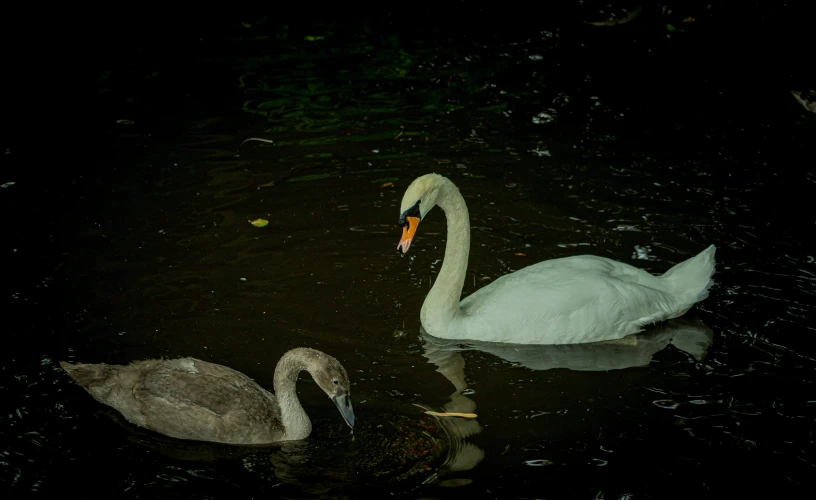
(335, 381)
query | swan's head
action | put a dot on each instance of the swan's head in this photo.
(333, 379)
(418, 200)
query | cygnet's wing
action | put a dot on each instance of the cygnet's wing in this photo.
(192, 399)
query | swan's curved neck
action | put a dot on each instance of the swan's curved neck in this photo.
(295, 422)
(441, 306)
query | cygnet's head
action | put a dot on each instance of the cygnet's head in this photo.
(332, 378)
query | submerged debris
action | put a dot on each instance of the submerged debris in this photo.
(807, 99)
(614, 20)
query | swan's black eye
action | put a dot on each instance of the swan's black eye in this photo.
(411, 212)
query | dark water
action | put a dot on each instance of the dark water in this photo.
(127, 236)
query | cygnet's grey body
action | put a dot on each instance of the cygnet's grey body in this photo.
(192, 399)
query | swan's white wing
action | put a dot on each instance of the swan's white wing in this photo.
(561, 301)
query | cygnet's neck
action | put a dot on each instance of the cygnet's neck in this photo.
(296, 424)
(441, 305)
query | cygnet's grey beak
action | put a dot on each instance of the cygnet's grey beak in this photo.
(343, 403)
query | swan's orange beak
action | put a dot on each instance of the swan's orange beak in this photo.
(408, 231)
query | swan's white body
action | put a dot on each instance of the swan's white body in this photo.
(571, 300)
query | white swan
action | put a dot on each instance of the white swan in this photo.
(570, 300)
(192, 399)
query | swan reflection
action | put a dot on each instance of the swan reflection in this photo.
(688, 335)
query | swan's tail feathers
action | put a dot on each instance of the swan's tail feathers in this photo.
(94, 378)
(690, 280)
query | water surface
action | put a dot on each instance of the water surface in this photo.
(147, 251)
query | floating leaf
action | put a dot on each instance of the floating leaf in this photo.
(259, 222)
(521, 254)
(310, 38)
(257, 139)
(387, 184)
(463, 415)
